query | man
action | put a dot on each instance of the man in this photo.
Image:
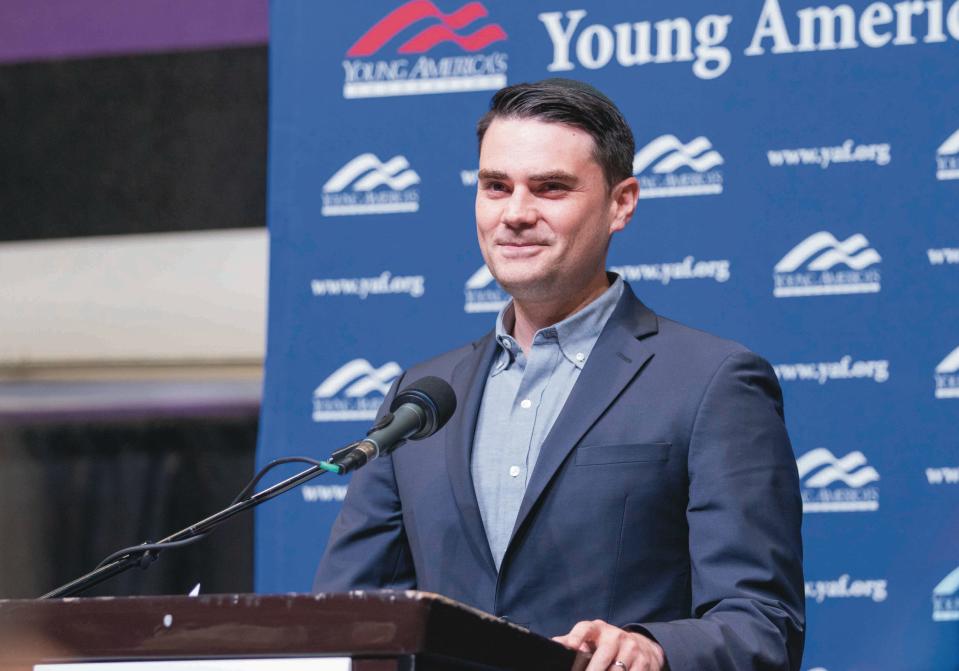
(610, 478)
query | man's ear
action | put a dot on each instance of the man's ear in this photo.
(623, 203)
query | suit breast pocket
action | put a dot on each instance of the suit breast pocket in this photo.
(595, 455)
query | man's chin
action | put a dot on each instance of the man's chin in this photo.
(526, 286)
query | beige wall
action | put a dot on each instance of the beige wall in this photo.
(160, 298)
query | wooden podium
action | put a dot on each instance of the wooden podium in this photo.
(409, 631)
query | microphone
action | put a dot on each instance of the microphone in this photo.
(418, 411)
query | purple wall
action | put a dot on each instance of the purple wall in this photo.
(47, 29)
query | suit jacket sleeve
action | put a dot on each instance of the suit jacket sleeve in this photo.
(744, 514)
(367, 548)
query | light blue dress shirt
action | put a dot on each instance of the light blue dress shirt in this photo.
(523, 396)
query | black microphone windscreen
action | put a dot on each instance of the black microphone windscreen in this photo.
(433, 394)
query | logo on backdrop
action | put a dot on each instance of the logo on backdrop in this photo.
(667, 168)
(945, 598)
(824, 371)
(354, 392)
(810, 268)
(361, 287)
(372, 70)
(483, 294)
(687, 269)
(831, 485)
(374, 187)
(947, 158)
(845, 588)
(947, 376)
(847, 152)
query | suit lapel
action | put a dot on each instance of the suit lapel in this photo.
(468, 381)
(616, 359)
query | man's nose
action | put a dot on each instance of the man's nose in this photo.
(520, 210)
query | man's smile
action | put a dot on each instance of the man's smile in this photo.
(519, 248)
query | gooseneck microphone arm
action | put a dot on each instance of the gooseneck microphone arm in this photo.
(145, 554)
(418, 411)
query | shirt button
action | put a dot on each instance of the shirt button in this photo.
(526, 404)
(514, 471)
(580, 356)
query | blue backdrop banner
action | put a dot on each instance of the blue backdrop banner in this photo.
(799, 170)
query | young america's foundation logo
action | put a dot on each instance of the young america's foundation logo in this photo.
(667, 168)
(831, 485)
(947, 158)
(947, 376)
(945, 598)
(366, 185)
(483, 294)
(814, 267)
(408, 70)
(354, 392)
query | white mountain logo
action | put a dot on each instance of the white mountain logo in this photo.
(825, 252)
(353, 392)
(846, 469)
(947, 376)
(480, 279)
(810, 268)
(945, 602)
(820, 471)
(395, 173)
(364, 175)
(483, 294)
(668, 168)
(947, 158)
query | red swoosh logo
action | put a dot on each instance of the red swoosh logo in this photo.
(434, 35)
(416, 10)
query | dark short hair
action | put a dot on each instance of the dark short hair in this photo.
(577, 104)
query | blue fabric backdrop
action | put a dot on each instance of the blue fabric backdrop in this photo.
(800, 193)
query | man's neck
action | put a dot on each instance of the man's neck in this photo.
(531, 316)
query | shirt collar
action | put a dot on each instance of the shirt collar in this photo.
(577, 334)
(506, 347)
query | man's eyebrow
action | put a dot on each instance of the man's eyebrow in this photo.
(554, 176)
(551, 176)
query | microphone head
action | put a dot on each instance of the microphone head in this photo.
(435, 397)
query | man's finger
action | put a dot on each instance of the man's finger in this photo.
(581, 633)
(607, 641)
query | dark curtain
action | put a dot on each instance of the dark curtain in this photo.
(72, 493)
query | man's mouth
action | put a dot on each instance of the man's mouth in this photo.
(520, 243)
(519, 248)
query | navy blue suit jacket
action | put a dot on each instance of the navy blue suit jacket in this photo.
(665, 498)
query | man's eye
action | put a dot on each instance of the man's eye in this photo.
(495, 186)
(554, 186)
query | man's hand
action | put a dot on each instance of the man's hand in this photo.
(614, 648)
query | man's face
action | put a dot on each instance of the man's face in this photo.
(543, 213)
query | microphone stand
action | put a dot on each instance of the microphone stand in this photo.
(423, 416)
(126, 562)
